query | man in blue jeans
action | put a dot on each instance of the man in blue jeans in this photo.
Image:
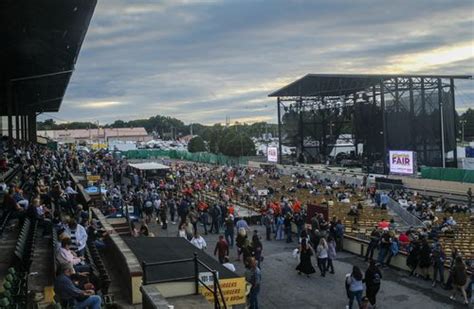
(254, 277)
(69, 293)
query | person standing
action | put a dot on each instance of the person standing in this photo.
(221, 249)
(384, 247)
(229, 230)
(267, 222)
(305, 265)
(372, 280)
(163, 216)
(257, 248)
(413, 256)
(287, 224)
(172, 208)
(339, 230)
(354, 286)
(215, 213)
(374, 241)
(459, 279)
(322, 256)
(254, 277)
(279, 228)
(438, 258)
(331, 254)
(425, 259)
(193, 218)
(299, 222)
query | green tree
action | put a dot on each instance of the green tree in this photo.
(466, 120)
(236, 144)
(196, 144)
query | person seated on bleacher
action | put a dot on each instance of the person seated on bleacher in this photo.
(3, 164)
(69, 294)
(95, 233)
(450, 221)
(10, 204)
(383, 225)
(66, 256)
(78, 235)
(20, 199)
(353, 211)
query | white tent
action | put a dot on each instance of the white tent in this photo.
(147, 166)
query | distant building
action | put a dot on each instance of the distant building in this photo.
(186, 138)
(102, 135)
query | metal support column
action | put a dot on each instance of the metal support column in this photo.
(301, 126)
(441, 116)
(17, 124)
(22, 125)
(280, 154)
(423, 113)
(451, 88)
(384, 126)
(397, 97)
(10, 111)
(412, 116)
(26, 128)
(32, 127)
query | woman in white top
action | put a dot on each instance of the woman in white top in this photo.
(198, 241)
(322, 256)
(182, 231)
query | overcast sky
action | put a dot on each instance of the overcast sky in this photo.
(203, 60)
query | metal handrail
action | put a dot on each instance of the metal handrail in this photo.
(216, 291)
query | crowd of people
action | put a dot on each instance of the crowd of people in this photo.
(180, 198)
(44, 194)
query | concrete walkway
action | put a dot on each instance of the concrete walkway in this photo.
(283, 288)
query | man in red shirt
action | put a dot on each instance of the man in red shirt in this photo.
(222, 249)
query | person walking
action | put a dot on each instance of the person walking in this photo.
(322, 256)
(354, 286)
(459, 279)
(240, 241)
(305, 266)
(221, 249)
(331, 254)
(372, 280)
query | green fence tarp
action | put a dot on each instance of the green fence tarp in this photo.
(203, 157)
(448, 174)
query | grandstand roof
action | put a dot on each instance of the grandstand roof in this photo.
(342, 84)
(40, 46)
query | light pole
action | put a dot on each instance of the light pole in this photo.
(463, 123)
